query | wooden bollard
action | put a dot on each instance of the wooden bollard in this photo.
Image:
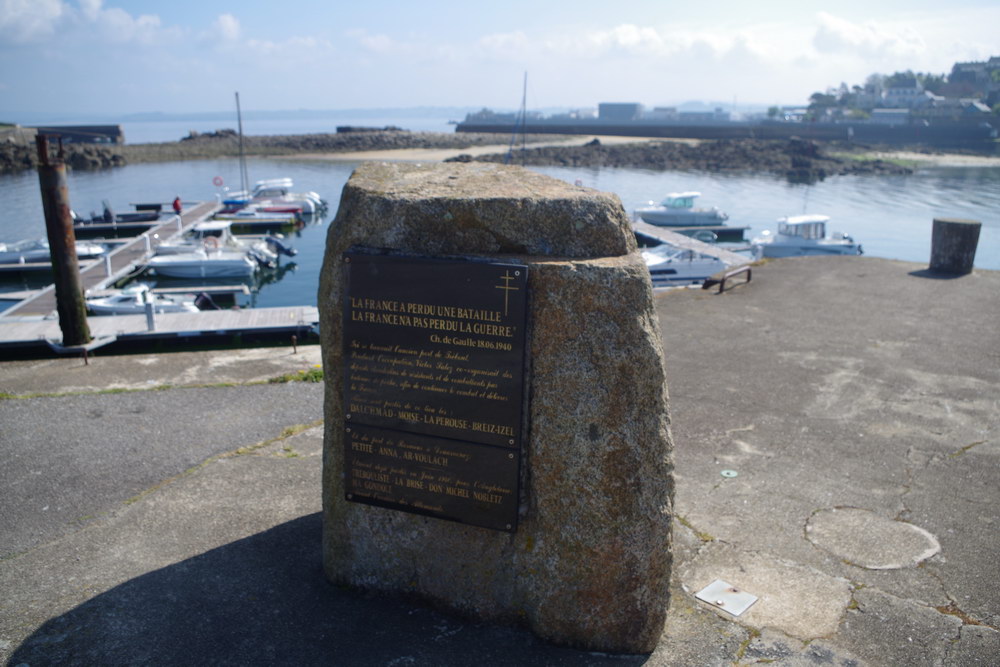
(953, 245)
(70, 304)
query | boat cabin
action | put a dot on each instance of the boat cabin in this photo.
(218, 229)
(809, 227)
(680, 200)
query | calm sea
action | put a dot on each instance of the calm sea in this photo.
(890, 215)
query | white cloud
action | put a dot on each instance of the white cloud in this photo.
(836, 35)
(380, 44)
(228, 27)
(504, 45)
(91, 8)
(26, 20)
(120, 26)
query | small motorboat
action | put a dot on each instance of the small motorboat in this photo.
(133, 299)
(669, 265)
(275, 193)
(678, 210)
(252, 214)
(216, 234)
(30, 251)
(801, 235)
(204, 263)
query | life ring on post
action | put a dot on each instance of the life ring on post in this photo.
(217, 181)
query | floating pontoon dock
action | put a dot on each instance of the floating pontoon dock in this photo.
(299, 321)
(126, 258)
(32, 323)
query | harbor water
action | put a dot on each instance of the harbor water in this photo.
(891, 216)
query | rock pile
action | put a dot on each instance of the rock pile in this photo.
(798, 160)
(16, 157)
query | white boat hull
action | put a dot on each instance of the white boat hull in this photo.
(666, 218)
(772, 249)
(203, 265)
(38, 251)
(132, 300)
(670, 266)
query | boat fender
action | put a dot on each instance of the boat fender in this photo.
(279, 247)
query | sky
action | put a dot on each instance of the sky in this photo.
(130, 56)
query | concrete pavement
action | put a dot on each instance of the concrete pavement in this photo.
(835, 426)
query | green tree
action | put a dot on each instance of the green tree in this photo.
(900, 79)
(772, 112)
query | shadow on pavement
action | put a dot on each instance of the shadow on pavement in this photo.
(264, 600)
(936, 275)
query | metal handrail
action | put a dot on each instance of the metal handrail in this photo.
(726, 276)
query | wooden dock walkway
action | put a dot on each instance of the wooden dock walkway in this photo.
(127, 257)
(295, 320)
(731, 259)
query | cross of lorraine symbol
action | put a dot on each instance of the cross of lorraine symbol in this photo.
(507, 289)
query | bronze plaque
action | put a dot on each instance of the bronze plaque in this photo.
(435, 348)
(465, 482)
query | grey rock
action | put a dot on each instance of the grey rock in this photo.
(589, 564)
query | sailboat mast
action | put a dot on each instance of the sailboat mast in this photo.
(521, 121)
(244, 177)
(524, 117)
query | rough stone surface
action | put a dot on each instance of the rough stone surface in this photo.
(589, 564)
(868, 540)
(479, 209)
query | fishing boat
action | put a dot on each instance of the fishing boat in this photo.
(204, 263)
(37, 250)
(801, 235)
(134, 298)
(215, 234)
(669, 265)
(678, 210)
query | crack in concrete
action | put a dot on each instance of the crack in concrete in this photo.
(963, 450)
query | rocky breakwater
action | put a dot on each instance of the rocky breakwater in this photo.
(797, 160)
(18, 157)
(226, 142)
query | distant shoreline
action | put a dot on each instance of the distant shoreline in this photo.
(569, 150)
(406, 146)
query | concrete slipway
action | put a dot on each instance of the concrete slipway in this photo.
(836, 430)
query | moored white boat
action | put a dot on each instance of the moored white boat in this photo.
(133, 299)
(255, 215)
(275, 195)
(678, 210)
(204, 263)
(669, 265)
(37, 250)
(802, 235)
(215, 234)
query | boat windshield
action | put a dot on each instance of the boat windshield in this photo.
(668, 253)
(803, 230)
(678, 202)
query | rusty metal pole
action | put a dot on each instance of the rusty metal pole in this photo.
(70, 303)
